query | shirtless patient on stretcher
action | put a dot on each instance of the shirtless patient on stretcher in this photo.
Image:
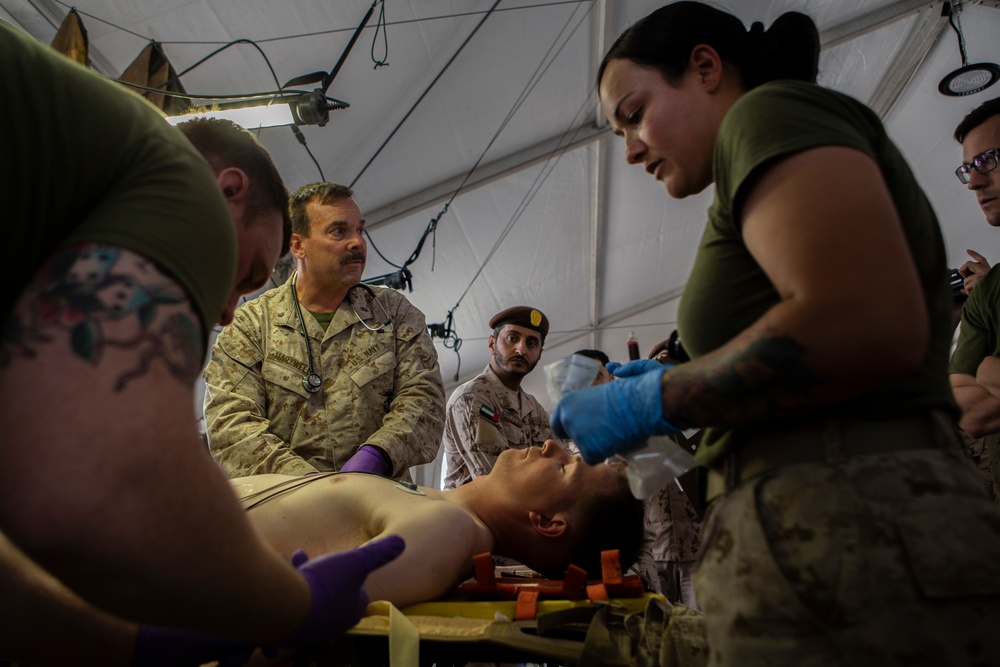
(540, 506)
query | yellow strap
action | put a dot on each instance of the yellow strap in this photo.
(404, 640)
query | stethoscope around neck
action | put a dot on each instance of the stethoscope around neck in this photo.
(311, 381)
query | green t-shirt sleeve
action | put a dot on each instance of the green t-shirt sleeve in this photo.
(979, 333)
(774, 120)
(100, 164)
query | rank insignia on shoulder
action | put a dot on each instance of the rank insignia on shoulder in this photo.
(489, 413)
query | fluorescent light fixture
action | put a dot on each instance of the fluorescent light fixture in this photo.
(251, 118)
(283, 109)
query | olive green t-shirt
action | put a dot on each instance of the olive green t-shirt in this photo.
(728, 291)
(82, 159)
(979, 333)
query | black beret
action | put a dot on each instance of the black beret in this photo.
(522, 316)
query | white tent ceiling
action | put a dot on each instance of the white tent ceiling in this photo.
(551, 216)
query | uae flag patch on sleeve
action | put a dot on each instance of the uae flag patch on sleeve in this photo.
(489, 413)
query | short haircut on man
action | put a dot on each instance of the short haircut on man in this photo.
(594, 354)
(977, 117)
(225, 144)
(605, 522)
(326, 193)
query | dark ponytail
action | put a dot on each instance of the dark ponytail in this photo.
(665, 39)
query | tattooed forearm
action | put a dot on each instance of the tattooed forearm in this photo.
(97, 298)
(769, 377)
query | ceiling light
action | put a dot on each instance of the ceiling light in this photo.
(967, 79)
(272, 111)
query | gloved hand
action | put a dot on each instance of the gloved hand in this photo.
(169, 647)
(368, 458)
(336, 580)
(608, 418)
(636, 367)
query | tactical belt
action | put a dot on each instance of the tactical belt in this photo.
(831, 441)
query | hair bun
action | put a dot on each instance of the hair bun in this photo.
(789, 49)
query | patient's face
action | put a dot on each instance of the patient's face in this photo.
(552, 474)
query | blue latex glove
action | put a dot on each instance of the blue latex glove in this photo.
(169, 647)
(608, 418)
(336, 580)
(633, 368)
(368, 458)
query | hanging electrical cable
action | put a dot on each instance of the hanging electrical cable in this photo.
(403, 277)
(446, 330)
(314, 33)
(536, 76)
(380, 24)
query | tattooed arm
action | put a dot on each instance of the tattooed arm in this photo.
(105, 483)
(820, 223)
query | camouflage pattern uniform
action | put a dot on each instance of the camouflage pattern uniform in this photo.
(983, 452)
(382, 389)
(842, 562)
(670, 551)
(483, 419)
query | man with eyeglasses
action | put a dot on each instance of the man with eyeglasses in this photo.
(975, 363)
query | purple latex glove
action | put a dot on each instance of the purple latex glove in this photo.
(336, 580)
(637, 367)
(169, 647)
(608, 418)
(368, 458)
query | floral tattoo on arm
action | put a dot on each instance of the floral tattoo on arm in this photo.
(100, 297)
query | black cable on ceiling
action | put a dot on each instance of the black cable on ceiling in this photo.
(263, 95)
(446, 329)
(536, 76)
(426, 91)
(226, 46)
(313, 33)
(379, 252)
(543, 174)
(43, 14)
(533, 81)
(380, 24)
(425, 19)
(301, 138)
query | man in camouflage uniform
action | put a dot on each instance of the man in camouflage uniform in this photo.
(320, 374)
(670, 552)
(490, 413)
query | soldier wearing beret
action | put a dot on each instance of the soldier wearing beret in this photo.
(490, 413)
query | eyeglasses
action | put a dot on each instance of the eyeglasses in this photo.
(983, 163)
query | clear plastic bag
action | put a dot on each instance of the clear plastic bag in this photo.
(569, 374)
(656, 463)
(652, 464)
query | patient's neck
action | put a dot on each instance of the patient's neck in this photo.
(507, 524)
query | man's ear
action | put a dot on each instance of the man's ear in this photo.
(548, 526)
(491, 343)
(234, 184)
(295, 245)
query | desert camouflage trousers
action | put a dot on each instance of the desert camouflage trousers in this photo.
(883, 559)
